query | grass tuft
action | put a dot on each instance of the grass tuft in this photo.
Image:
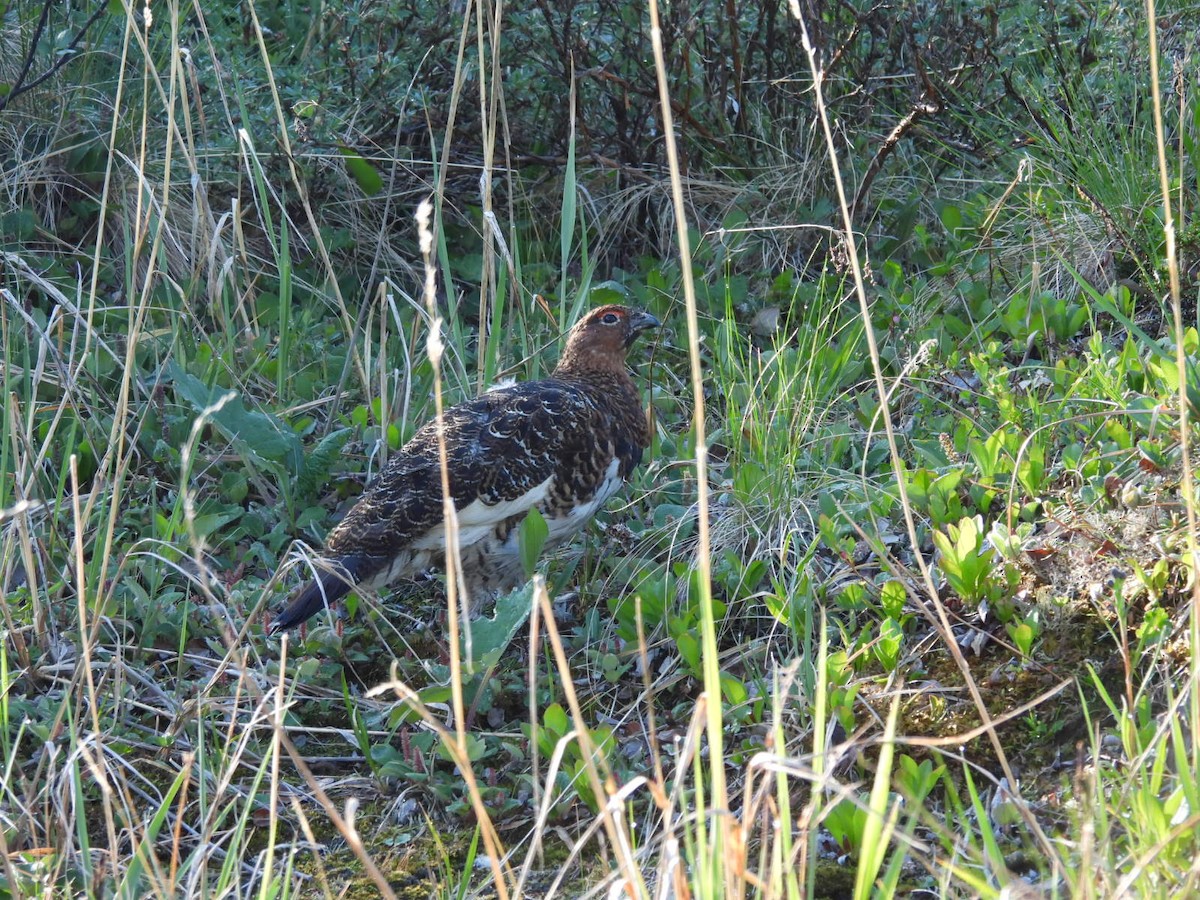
(903, 600)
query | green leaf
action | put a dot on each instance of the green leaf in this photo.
(320, 462)
(1022, 634)
(235, 486)
(20, 224)
(476, 749)
(669, 513)
(734, 691)
(1032, 470)
(892, 597)
(952, 219)
(555, 720)
(566, 227)
(846, 822)
(310, 516)
(609, 292)
(531, 539)
(368, 179)
(490, 636)
(359, 727)
(887, 647)
(689, 649)
(968, 536)
(206, 524)
(255, 433)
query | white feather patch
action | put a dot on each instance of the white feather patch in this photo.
(480, 513)
(477, 521)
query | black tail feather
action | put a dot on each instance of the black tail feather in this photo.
(329, 586)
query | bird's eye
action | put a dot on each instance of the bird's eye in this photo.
(610, 318)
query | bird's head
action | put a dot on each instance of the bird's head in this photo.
(600, 339)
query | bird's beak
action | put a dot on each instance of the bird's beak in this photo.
(642, 321)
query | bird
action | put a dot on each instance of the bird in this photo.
(562, 445)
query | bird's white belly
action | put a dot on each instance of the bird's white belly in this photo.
(477, 520)
(481, 547)
(407, 563)
(483, 515)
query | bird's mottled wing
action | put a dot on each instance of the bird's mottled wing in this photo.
(500, 448)
(540, 430)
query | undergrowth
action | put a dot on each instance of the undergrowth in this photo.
(903, 600)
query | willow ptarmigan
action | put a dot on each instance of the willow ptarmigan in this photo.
(562, 446)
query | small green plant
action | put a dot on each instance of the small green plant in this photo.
(991, 455)
(837, 534)
(791, 602)
(1024, 630)
(1043, 318)
(847, 822)
(1010, 542)
(972, 569)
(842, 694)
(915, 781)
(888, 644)
(890, 639)
(653, 590)
(684, 625)
(555, 733)
(937, 495)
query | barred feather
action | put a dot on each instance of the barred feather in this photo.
(562, 445)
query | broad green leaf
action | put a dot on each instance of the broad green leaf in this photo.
(490, 636)
(320, 462)
(365, 174)
(892, 597)
(206, 524)
(531, 539)
(689, 649)
(476, 749)
(555, 720)
(887, 647)
(257, 434)
(734, 691)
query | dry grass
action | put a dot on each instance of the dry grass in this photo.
(154, 743)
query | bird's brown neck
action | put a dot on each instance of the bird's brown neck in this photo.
(585, 361)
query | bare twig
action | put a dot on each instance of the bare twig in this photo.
(20, 86)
